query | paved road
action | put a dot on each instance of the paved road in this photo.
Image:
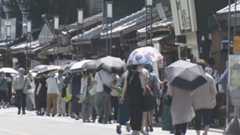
(30, 124)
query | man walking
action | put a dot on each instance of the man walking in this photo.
(103, 97)
(60, 101)
(19, 84)
(52, 94)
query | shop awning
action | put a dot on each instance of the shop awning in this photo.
(235, 7)
(87, 22)
(130, 23)
(87, 36)
(154, 41)
(159, 25)
(95, 32)
(17, 48)
(3, 45)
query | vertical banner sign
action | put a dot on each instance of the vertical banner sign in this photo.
(234, 77)
(236, 44)
(56, 22)
(29, 26)
(8, 29)
(161, 11)
(109, 10)
(184, 16)
(80, 16)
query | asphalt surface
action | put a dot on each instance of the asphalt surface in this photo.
(30, 124)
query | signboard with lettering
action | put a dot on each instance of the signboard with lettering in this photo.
(184, 16)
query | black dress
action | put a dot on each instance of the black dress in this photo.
(41, 97)
(134, 98)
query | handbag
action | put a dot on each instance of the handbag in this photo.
(106, 88)
(149, 99)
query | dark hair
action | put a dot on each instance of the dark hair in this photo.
(132, 67)
(149, 67)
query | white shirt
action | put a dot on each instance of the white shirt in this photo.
(52, 86)
(103, 77)
(84, 84)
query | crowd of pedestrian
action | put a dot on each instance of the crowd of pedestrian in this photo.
(133, 98)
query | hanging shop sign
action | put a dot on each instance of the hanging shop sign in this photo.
(184, 16)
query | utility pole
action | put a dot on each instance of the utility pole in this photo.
(149, 5)
(109, 15)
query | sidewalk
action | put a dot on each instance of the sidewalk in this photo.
(13, 124)
(159, 131)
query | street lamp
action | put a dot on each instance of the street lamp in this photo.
(149, 5)
(56, 28)
(109, 13)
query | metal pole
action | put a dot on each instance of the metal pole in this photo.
(229, 44)
(26, 55)
(109, 16)
(110, 44)
(107, 36)
(58, 49)
(235, 19)
(146, 38)
(151, 21)
(30, 51)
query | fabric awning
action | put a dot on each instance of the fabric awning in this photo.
(235, 7)
(87, 36)
(130, 23)
(154, 41)
(156, 25)
(26, 45)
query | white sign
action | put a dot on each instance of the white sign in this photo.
(184, 16)
(109, 10)
(56, 22)
(29, 26)
(149, 2)
(8, 29)
(80, 16)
